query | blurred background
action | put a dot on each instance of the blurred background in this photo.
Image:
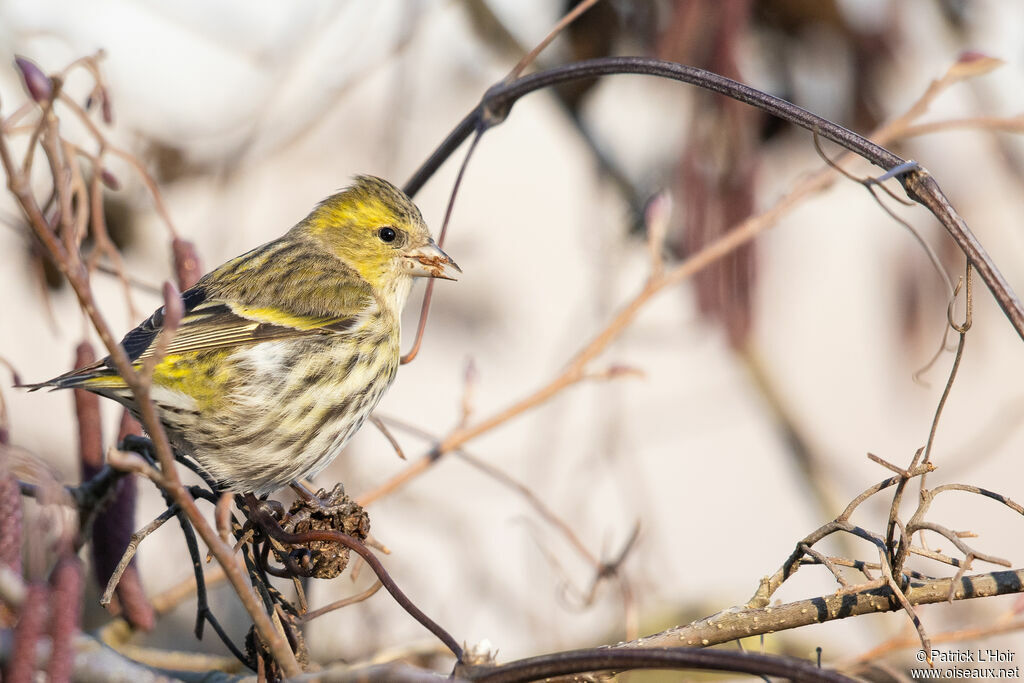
(765, 380)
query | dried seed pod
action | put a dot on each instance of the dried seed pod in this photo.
(337, 512)
(258, 652)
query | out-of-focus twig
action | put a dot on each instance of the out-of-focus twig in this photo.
(570, 17)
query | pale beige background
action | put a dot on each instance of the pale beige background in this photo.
(284, 102)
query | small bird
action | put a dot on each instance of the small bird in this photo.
(284, 351)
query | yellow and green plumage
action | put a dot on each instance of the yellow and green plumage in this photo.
(283, 352)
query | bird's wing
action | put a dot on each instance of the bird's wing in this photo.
(220, 324)
(212, 323)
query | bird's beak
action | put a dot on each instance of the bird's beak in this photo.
(430, 261)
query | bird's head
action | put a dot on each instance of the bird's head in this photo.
(375, 228)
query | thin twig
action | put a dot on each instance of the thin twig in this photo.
(962, 329)
(344, 602)
(379, 424)
(570, 17)
(429, 290)
(129, 552)
(534, 501)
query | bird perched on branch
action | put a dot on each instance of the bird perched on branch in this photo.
(283, 352)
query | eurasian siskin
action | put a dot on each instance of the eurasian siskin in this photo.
(283, 352)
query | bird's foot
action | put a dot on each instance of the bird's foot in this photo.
(264, 511)
(141, 445)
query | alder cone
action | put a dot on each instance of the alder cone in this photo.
(335, 512)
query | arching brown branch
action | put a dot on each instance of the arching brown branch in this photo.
(496, 103)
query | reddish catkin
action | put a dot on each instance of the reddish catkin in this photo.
(5, 430)
(87, 411)
(31, 622)
(186, 263)
(113, 526)
(111, 534)
(135, 605)
(10, 519)
(65, 601)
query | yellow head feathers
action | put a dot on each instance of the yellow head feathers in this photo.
(375, 228)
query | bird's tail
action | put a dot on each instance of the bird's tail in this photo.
(97, 375)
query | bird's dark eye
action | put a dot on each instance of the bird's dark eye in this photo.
(387, 234)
